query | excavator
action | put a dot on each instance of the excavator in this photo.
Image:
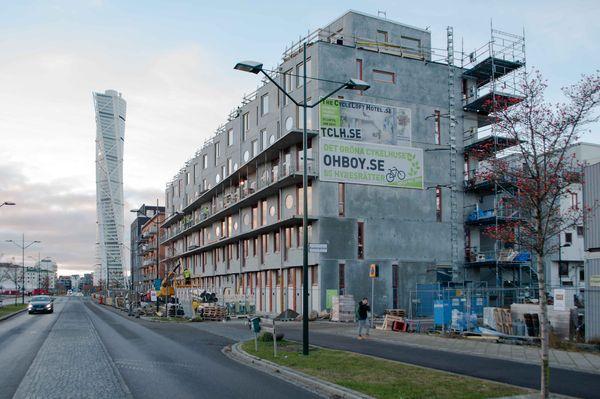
(166, 287)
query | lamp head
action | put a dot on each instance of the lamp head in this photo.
(357, 84)
(249, 66)
(8, 203)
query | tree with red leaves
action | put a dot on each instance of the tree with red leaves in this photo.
(544, 170)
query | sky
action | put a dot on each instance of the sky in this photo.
(172, 61)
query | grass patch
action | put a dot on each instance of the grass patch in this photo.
(8, 309)
(379, 377)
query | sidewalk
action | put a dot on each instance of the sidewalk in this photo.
(579, 361)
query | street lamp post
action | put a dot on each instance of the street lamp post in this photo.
(23, 248)
(7, 203)
(352, 84)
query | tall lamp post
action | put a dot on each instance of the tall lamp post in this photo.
(23, 247)
(352, 84)
(7, 203)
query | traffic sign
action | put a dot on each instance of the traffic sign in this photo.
(374, 270)
(318, 248)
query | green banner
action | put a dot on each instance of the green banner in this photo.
(374, 164)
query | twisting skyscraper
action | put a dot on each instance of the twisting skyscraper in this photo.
(110, 110)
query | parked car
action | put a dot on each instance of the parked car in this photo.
(41, 304)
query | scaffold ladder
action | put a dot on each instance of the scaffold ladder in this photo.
(453, 154)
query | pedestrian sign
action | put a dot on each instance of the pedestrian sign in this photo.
(374, 270)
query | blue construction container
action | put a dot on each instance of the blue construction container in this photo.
(426, 294)
(442, 313)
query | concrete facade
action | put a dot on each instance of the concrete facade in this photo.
(234, 209)
(149, 249)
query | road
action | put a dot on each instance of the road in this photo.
(84, 350)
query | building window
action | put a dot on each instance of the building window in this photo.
(574, 202)
(264, 104)
(263, 213)
(359, 69)
(204, 161)
(341, 278)
(287, 85)
(382, 36)
(580, 231)
(437, 136)
(230, 137)
(255, 216)
(395, 278)
(246, 248)
(300, 74)
(314, 275)
(276, 242)
(411, 43)
(245, 125)
(224, 171)
(204, 184)
(569, 238)
(217, 151)
(438, 204)
(255, 246)
(264, 138)
(361, 240)
(563, 269)
(265, 243)
(229, 165)
(384, 76)
(341, 199)
(254, 148)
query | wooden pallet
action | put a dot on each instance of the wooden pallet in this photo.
(214, 313)
(396, 312)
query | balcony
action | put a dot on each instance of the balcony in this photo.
(289, 222)
(488, 217)
(245, 195)
(505, 257)
(492, 68)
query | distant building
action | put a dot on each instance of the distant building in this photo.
(86, 283)
(150, 255)
(10, 276)
(143, 214)
(567, 264)
(63, 284)
(110, 110)
(40, 276)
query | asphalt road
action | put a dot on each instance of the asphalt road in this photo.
(84, 350)
(565, 382)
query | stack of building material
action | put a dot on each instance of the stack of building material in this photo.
(503, 320)
(560, 320)
(343, 308)
(213, 312)
(388, 322)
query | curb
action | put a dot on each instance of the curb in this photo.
(312, 384)
(8, 316)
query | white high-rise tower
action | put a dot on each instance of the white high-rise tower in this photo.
(110, 132)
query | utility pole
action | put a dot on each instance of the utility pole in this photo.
(23, 247)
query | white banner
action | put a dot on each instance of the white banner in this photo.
(358, 121)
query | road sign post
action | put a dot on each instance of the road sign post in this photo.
(373, 274)
(270, 328)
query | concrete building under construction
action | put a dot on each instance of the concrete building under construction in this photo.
(385, 170)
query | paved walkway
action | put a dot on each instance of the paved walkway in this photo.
(72, 362)
(580, 361)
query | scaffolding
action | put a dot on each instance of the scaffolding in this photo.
(491, 80)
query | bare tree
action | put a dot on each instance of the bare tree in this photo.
(543, 170)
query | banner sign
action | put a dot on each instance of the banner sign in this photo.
(357, 121)
(366, 163)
